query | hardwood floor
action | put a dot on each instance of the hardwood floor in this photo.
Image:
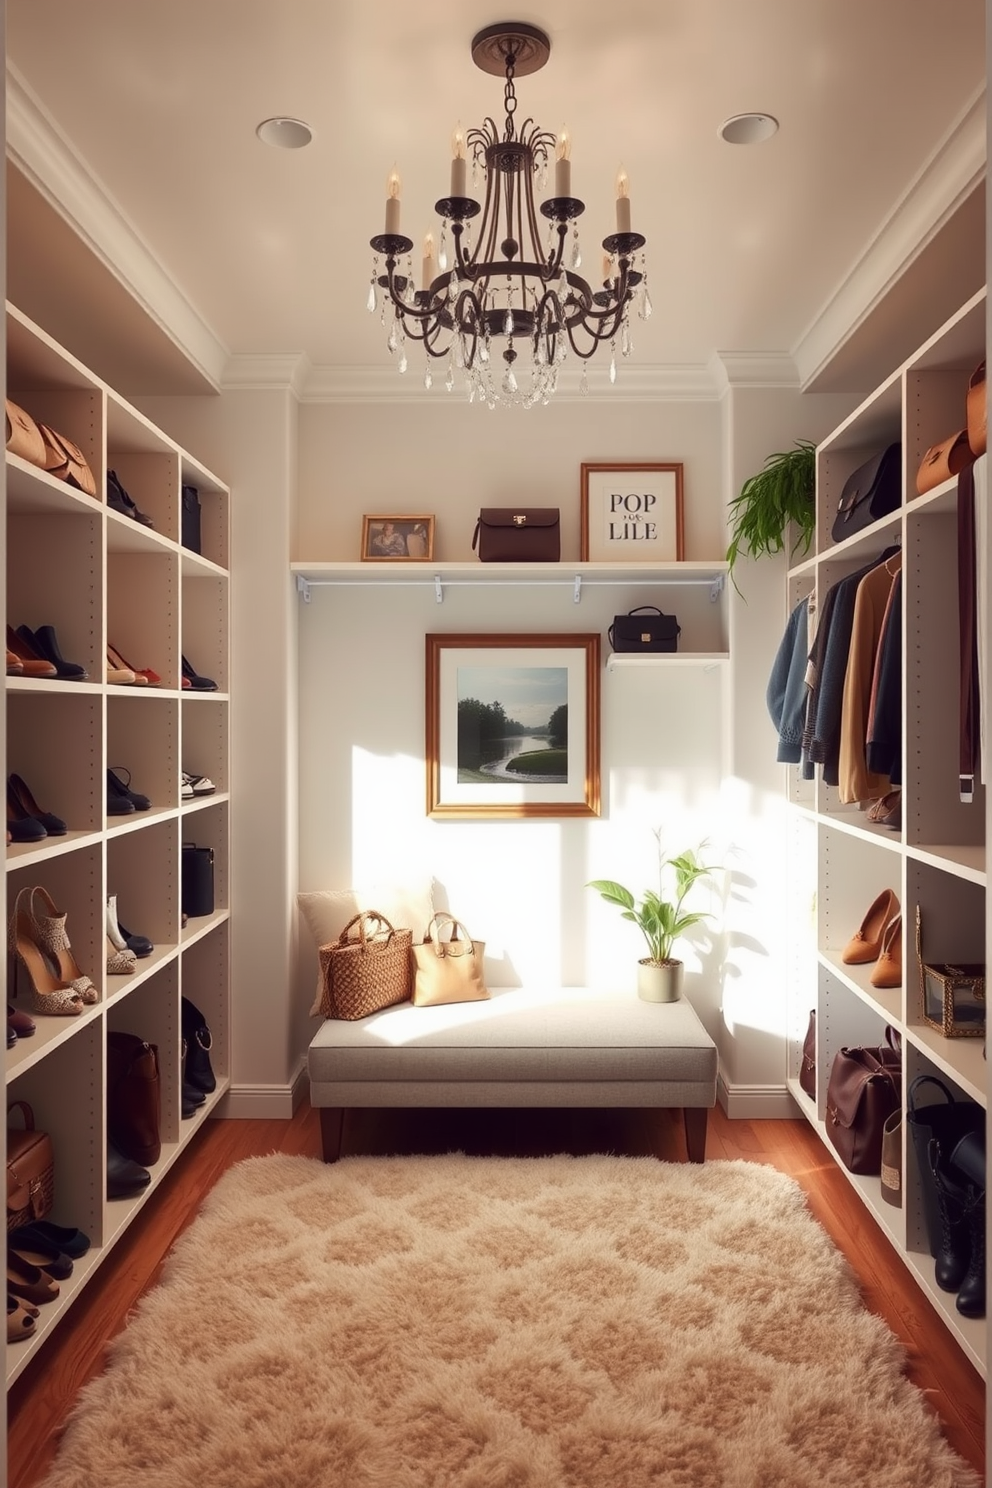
(39, 1401)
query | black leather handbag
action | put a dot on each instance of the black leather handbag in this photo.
(873, 491)
(645, 629)
(518, 534)
(197, 880)
(190, 529)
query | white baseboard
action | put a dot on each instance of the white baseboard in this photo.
(267, 1102)
(756, 1102)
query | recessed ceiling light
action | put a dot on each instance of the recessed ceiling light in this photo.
(285, 134)
(748, 129)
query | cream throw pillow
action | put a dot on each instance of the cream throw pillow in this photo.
(406, 906)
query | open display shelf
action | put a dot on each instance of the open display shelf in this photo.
(838, 860)
(99, 577)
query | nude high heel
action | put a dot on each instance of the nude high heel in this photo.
(45, 993)
(888, 970)
(50, 934)
(866, 942)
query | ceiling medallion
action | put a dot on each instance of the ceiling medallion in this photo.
(507, 297)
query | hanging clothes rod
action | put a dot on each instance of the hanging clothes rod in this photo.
(715, 583)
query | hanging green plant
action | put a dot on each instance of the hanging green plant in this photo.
(781, 493)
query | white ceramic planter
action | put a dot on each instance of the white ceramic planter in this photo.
(659, 981)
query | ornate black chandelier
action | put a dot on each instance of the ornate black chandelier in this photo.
(507, 298)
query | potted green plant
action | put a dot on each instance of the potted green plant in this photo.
(661, 919)
(780, 495)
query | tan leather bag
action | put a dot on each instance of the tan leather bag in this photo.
(977, 411)
(66, 461)
(943, 460)
(24, 438)
(30, 1170)
(448, 970)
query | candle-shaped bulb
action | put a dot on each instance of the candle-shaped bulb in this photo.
(393, 203)
(458, 162)
(563, 163)
(428, 263)
(623, 202)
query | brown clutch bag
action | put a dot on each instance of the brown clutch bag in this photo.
(943, 460)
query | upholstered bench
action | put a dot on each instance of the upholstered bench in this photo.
(567, 1046)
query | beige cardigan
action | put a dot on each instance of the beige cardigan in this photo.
(855, 781)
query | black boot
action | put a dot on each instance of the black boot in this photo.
(954, 1251)
(971, 1297)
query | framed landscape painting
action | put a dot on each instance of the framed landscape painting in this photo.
(631, 513)
(512, 725)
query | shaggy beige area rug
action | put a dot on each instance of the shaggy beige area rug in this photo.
(458, 1322)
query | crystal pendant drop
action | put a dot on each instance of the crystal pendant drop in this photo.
(584, 379)
(509, 381)
(449, 381)
(625, 339)
(393, 340)
(613, 367)
(576, 250)
(483, 351)
(428, 379)
(646, 307)
(370, 302)
(508, 322)
(442, 250)
(403, 361)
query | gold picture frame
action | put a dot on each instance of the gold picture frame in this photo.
(402, 539)
(632, 512)
(493, 699)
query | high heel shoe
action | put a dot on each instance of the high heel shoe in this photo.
(53, 825)
(20, 826)
(44, 992)
(119, 962)
(118, 675)
(888, 970)
(866, 942)
(15, 666)
(198, 683)
(46, 643)
(143, 676)
(116, 787)
(32, 664)
(49, 932)
(123, 940)
(119, 501)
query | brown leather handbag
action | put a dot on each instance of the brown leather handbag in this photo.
(66, 461)
(943, 460)
(518, 534)
(448, 970)
(864, 1089)
(24, 438)
(134, 1106)
(977, 411)
(30, 1170)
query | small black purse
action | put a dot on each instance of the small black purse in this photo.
(874, 490)
(197, 880)
(645, 629)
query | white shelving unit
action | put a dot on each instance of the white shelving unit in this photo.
(99, 577)
(838, 860)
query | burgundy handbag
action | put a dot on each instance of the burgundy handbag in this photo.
(864, 1089)
(807, 1070)
(518, 534)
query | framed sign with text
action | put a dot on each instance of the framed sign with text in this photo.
(632, 513)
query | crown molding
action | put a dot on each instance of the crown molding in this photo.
(952, 172)
(46, 157)
(263, 371)
(384, 384)
(756, 369)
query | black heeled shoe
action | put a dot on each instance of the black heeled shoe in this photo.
(139, 944)
(53, 825)
(122, 790)
(21, 825)
(46, 643)
(119, 501)
(198, 683)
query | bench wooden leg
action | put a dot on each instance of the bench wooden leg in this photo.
(694, 1118)
(331, 1123)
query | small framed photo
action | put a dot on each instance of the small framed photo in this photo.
(632, 513)
(410, 539)
(512, 725)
